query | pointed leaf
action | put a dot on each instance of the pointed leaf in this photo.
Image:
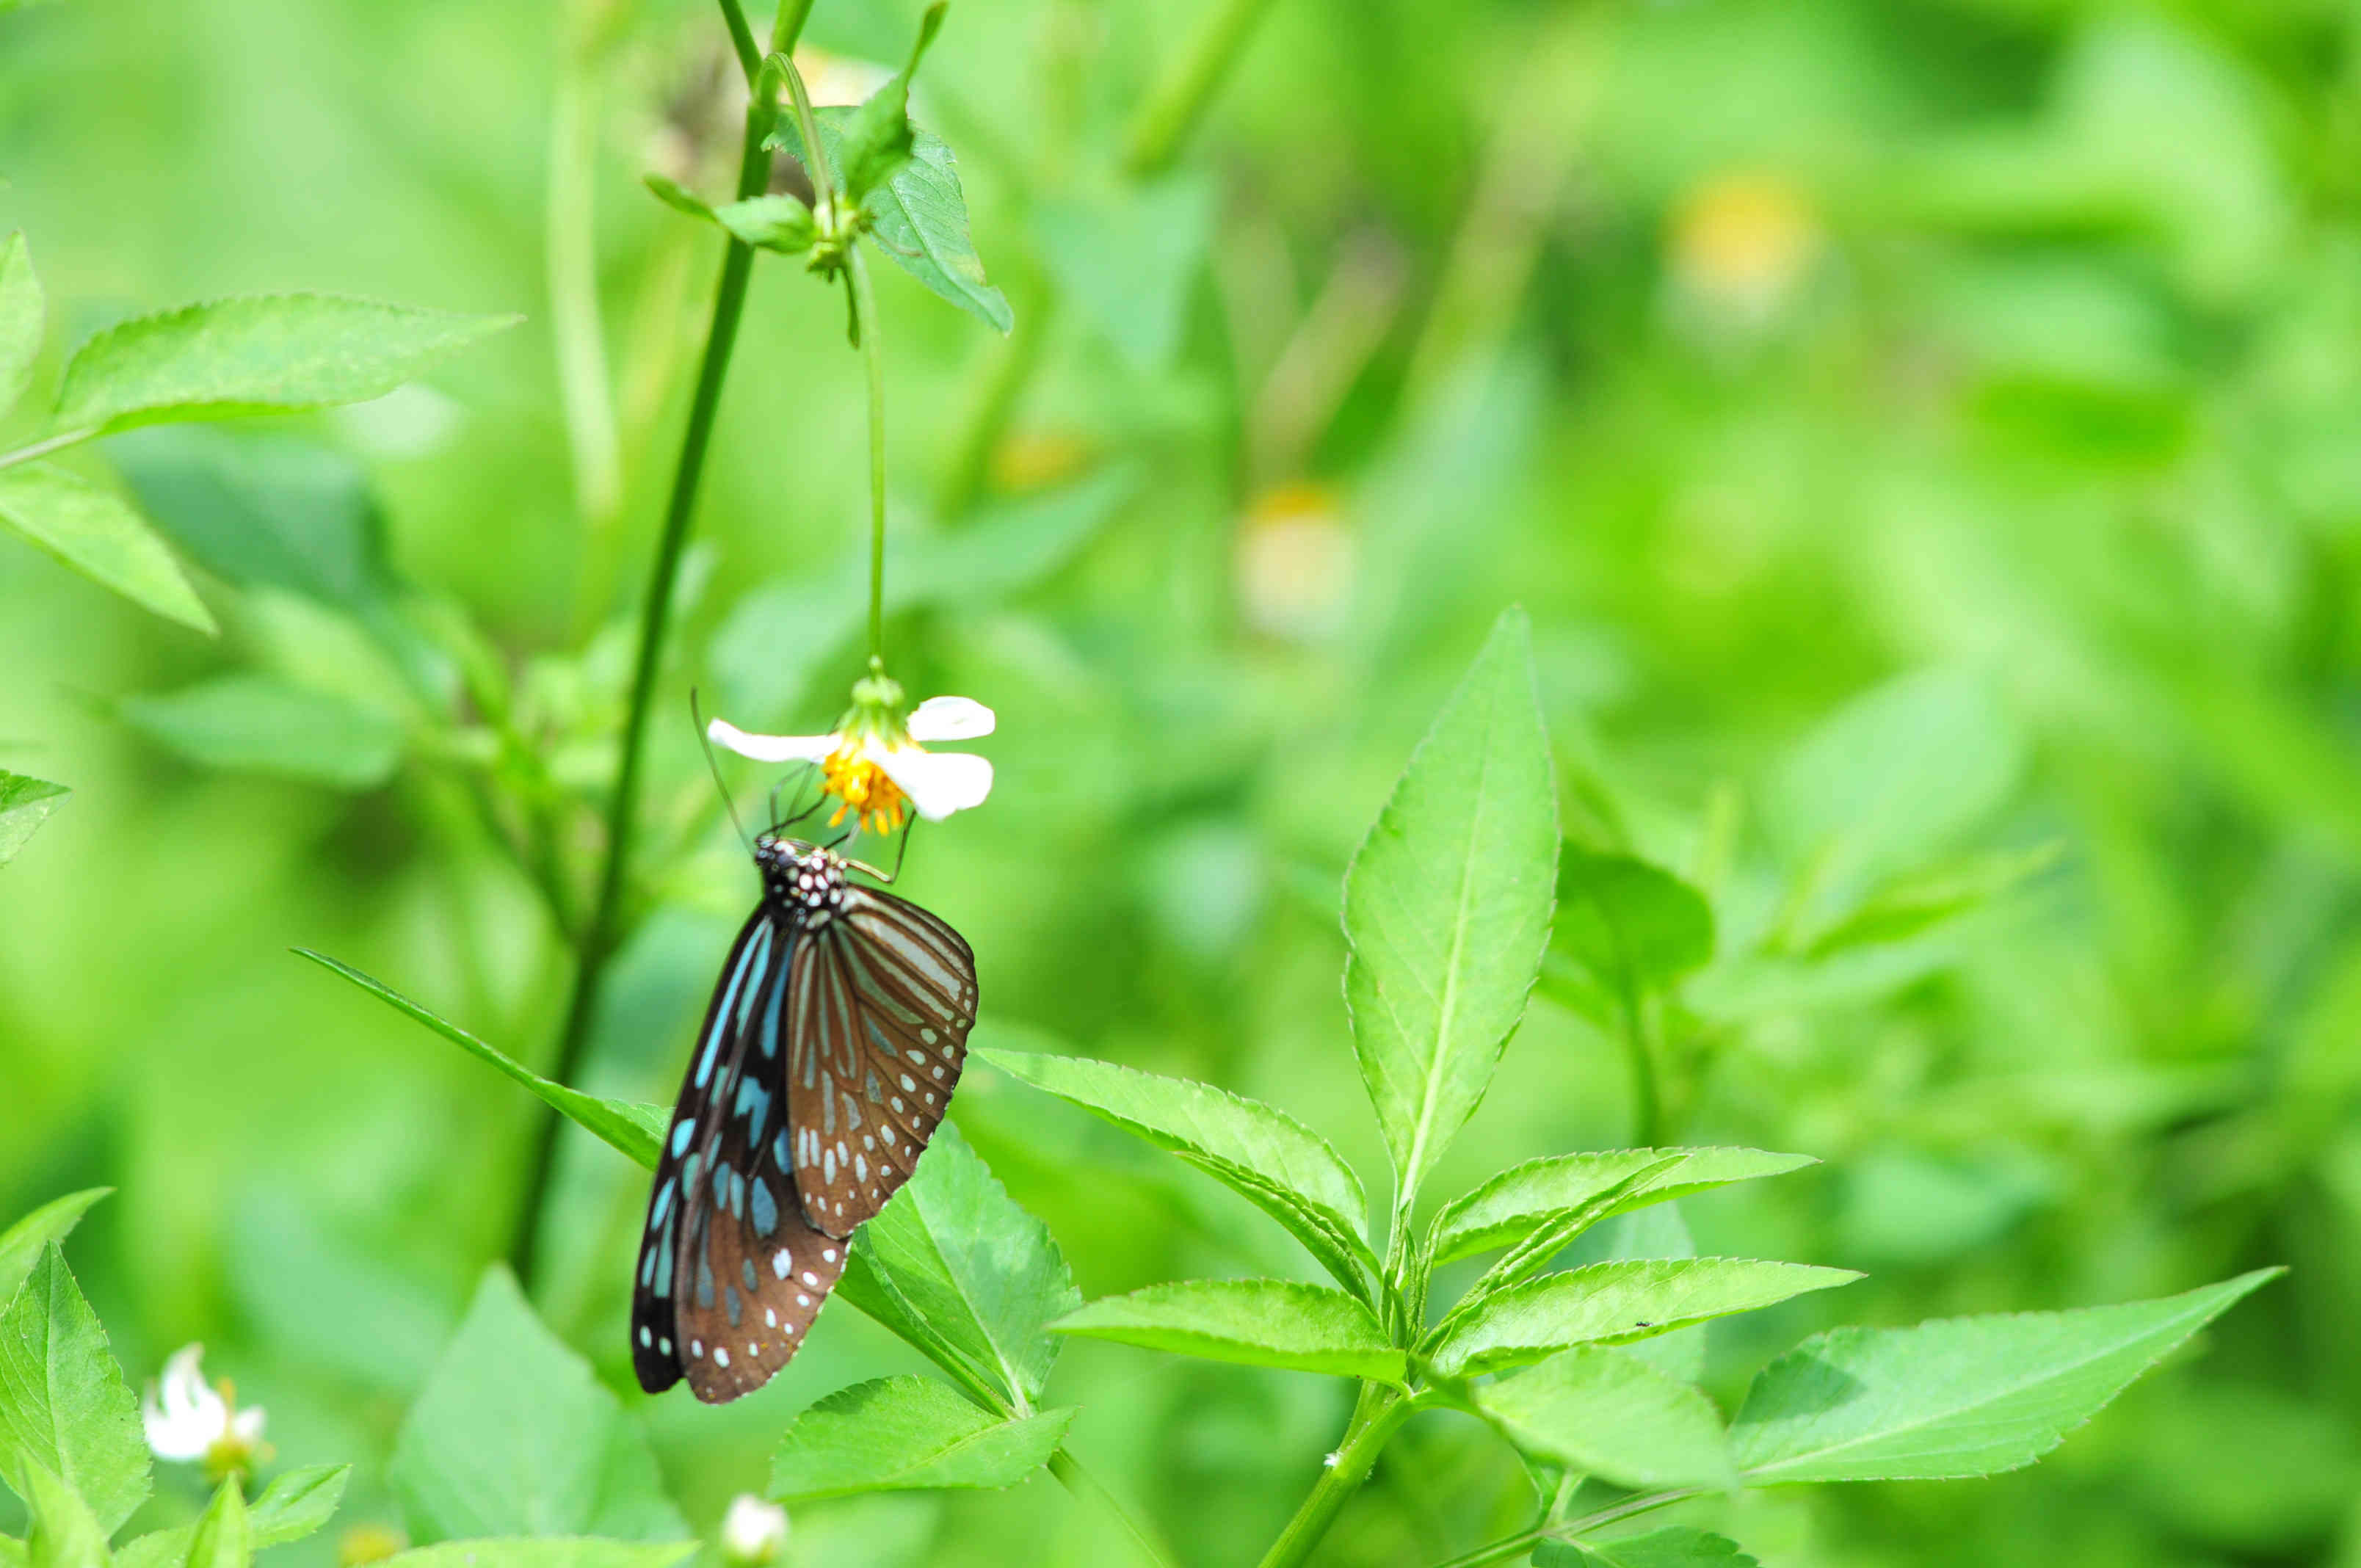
(291, 1507)
(25, 804)
(1447, 907)
(94, 532)
(22, 313)
(64, 1404)
(877, 137)
(223, 1537)
(521, 1552)
(1609, 1414)
(1958, 1396)
(919, 217)
(636, 1129)
(1513, 1204)
(1277, 1163)
(1636, 927)
(22, 1243)
(262, 724)
(1615, 1303)
(1261, 1322)
(513, 1434)
(65, 1533)
(894, 1434)
(263, 354)
(1679, 1547)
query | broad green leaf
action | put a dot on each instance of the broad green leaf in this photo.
(21, 1245)
(261, 724)
(1614, 1303)
(1959, 1396)
(25, 804)
(515, 1434)
(778, 222)
(65, 1533)
(223, 1537)
(1126, 260)
(635, 1129)
(877, 136)
(1608, 1413)
(1447, 907)
(22, 313)
(1277, 1163)
(545, 1552)
(1636, 927)
(1261, 1322)
(291, 1507)
(264, 354)
(1918, 901)
(1520, 1200)
(898, 1434)
(954, 1265)
(64, 1404)
(1679, 1547)
(94, 532)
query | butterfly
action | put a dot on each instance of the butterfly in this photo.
(828, 1056)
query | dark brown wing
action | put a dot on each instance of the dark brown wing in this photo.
(880, 999)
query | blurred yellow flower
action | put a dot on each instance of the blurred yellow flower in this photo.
(1297, 560)
(1741, 243)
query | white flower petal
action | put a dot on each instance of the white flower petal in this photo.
(246, 1425)
(752, 1530)
(184, 1423)
(939, 783)
(770, 748)
(951, 719)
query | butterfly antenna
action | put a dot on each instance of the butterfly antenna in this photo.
(713, 765)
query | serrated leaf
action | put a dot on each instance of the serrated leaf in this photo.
(513, 1434)
(1679, 1547)
(1636, 927)
(957, 1267)
(65, 1533)
(222, 1537)
(1615, 1303)
(1260, 1322)
(64, 1404)
(253, 723)
(521, 1552)
(25, 804)
(262, 354)
(1959, 1396)
(292, 1506)
(22, 313)
(1520, 1200)
(1608, 1413)
(635, 1129)
(894, 1434)
(96, 533)
(22, 1243)
(877, 136)
(1447, 907)
(1128, 260)
(1277, 1163)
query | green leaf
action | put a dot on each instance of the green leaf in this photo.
(1919, 901)
(956, 1267)
(291, 1507)
(64, 1404)
(635, 1129)
(1447, 907)
(1277, 1163)
(21, 1245)
(1959, 1396)
(1614, 1303)
(1609, 1414)
(519, 1552)
(1261, 1322)
(673, 195)
(919, 217)
(877, 136)
(25, 804)
(1128, 260)
(261, 724)
(224, 1537)
(513, 1434)
(1636, 927)
(1533, 1251)
(65, 1534)
(899, 1434)
(94, 532)
(22, 313)
(1679, 1547)
(778, 222)
(1519, 1201)
(263, 354)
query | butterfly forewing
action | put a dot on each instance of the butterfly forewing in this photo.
(881, 998)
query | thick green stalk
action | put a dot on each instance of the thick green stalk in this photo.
(1375, 1421)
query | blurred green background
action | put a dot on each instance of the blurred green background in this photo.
(1924, 433)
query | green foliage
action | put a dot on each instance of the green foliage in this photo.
(90, 530)
(1128, 260)
(907, 1433)
(65, 1412)
(267, 725)
(25, 804)
(1262, 1323)
(1635, 926)
(22, 1243)
(545, 1552)
(1609, 1413)
(223, 1536)
(877, 139)
(65, 1533)
(296, 1504)
(22, 316)
(1679, 1547)
(1511, 1207)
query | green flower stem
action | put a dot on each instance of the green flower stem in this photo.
(1083, 1487)
(1376, 1418)
(1510, 1548)
(600, 930)
(1176, 104)
(873, 351)
(46, 445)
(1647, 1100)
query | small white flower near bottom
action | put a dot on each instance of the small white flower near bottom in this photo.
(188, 1420)
(752, 1533)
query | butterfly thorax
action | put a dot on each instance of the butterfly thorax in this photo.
(806, 878)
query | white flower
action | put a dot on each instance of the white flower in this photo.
(753, 1531)
(192, 1420)
(874, 760)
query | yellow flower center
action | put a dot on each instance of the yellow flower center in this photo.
(851, 775)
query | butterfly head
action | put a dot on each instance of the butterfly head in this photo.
(804, 877)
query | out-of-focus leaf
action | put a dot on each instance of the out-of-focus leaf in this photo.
(635, 1129)
(25, 804)
(1448, 907)
(94, 532)
(64, 1406)
(678, 198)
(1918, 901)
(65, 1533)
(1513, 1204)
(1262, 1323)
(1958, 1397)
(261, 724)
(1126, 260)
(223, 1536)
(523, 1553)
(907, 1434)
(1615, 1303)
(21, 1245)
(291, 1507)
(955, 1267)
(1277, 1163)
(263, 354)
(22, 314)
(514, 1433)
(1635, 925)
(1679, 1547)
(1608, 1413)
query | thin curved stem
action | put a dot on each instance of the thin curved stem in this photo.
(1517, 1545)
(1082, 1484)
(873, 351)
